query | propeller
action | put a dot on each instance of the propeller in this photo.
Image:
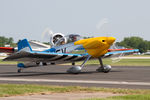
(116, 58)
(47, 34)
(101, 23)
(55, 39)
(47, 31)
(101, 28)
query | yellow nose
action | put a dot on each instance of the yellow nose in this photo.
(111, 40)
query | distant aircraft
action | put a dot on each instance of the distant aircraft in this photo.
(60, 52)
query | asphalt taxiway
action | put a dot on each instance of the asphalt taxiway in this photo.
(120, 77)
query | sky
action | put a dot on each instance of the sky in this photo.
(118, 18)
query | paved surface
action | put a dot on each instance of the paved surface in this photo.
(119, 77)
(61, 96)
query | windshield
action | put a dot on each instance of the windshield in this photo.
(68, 39)
(73, 38)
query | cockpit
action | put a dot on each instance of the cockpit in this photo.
(67, 39)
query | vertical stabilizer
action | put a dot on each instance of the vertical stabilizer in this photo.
(24, 44)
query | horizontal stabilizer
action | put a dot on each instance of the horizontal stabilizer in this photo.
(6, 50)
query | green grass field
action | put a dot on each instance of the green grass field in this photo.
(7, 62)
(138, 55)
(127, 97)
(24, 89)
(122, 62)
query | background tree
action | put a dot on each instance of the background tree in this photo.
(136, 43)
(7, 41)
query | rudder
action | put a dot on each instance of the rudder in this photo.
(24, 44)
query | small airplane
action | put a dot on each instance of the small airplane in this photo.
(60, 52)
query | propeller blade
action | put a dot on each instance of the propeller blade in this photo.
(48, 32)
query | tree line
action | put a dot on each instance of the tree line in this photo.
(7, 41)
(135, 43)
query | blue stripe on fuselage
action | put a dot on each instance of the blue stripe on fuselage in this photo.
(53, 53)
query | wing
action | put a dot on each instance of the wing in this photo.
(34, 56)
(117, 52)
(25, 53)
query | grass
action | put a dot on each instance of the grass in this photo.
(7, 62)
(138, 55)
(127, 97)
(121, 62)
(25, 89)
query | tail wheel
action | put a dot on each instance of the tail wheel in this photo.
(19, 70)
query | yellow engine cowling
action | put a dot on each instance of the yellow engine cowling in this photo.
(98, 46)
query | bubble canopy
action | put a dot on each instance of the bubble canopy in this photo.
(68, 39)
(73, 37)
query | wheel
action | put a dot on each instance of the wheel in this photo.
(105, 69)
(44, 63)
(74, 70)
(19, 70)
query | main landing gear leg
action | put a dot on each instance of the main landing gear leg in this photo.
(103, 68)
(77, 69)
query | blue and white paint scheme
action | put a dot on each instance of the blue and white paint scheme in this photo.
(57, 55)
